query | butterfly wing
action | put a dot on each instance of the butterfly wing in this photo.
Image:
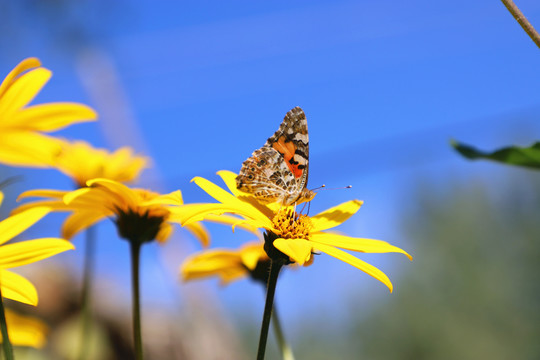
(279, 170)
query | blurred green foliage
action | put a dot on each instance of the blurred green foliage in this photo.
(528, 156)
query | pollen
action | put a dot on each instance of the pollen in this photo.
(290, 225)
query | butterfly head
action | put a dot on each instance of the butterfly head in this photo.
(305, 196)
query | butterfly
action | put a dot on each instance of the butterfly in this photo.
(278, 171)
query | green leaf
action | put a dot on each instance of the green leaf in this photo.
(512, 155)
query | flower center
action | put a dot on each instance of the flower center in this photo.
(140, 226)
(290, 225)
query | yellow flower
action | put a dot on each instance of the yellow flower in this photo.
(25, 330)
(12, 285)
(139, 214)
(82, 162)
(228, 265)
(22, 142)
(290, 236)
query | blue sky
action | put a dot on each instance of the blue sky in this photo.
(199, 85)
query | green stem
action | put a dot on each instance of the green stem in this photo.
(135, 248)
(89, 255)
(286, 350)
(522, 20)
(270, 291)
(6, 344)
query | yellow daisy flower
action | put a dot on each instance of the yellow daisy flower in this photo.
(12, 285)
(22, 142)
(289, 236)
(139, 213)
(228, 265)
(82, 162)
(25, 330)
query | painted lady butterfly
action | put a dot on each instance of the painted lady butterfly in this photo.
(278, 172)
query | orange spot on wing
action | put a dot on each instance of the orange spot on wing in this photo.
(287, 149)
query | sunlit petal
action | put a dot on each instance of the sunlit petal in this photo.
(214, 191)
(115, 187)
(229, 178)
(53, 116)
(57, 194)
(16, 224)
(22, 91)
(78, 221)
(356, 244)
(165, 231)
(26, 64)
(174, 198)
(18, 288)
(71, 196)
(29, 149)
(30, 251)
(251, 254)
(354, 261)
(198, 212)
(299, 250)
(25, 330)
(233, 221)
(200, 232)
(335, 215)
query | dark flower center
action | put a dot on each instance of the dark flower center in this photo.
(138, 227)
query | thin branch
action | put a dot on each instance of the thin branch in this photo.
(522, 20)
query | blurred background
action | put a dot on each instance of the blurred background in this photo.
(385, 85)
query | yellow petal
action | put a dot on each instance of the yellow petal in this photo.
(80, 220)
(29, 149)
(124, 192)
(231, 275)
(71, 196)
(53, 116)
(214, 191)
(252, 253)
(198, 212)
(18, 288)
(1, 197)
(23, 90)
(229, 178)
(94, 199)
(174, 198)
(54, 205)
(356, 244)
(233, 221)
(165, 231)
(16, 224)
(299, 250)
(200, 232)
(25, 330)
(56, 194)
(30, 251)
(26, 64)
(335, 215)
(211, 263)
(357, 263)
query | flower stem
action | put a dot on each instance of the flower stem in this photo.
(522, 20)
(286, 350)
(275, 267)
(6, 344)
(135, 248)
(89, 255)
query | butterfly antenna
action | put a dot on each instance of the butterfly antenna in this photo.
(337, 188)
